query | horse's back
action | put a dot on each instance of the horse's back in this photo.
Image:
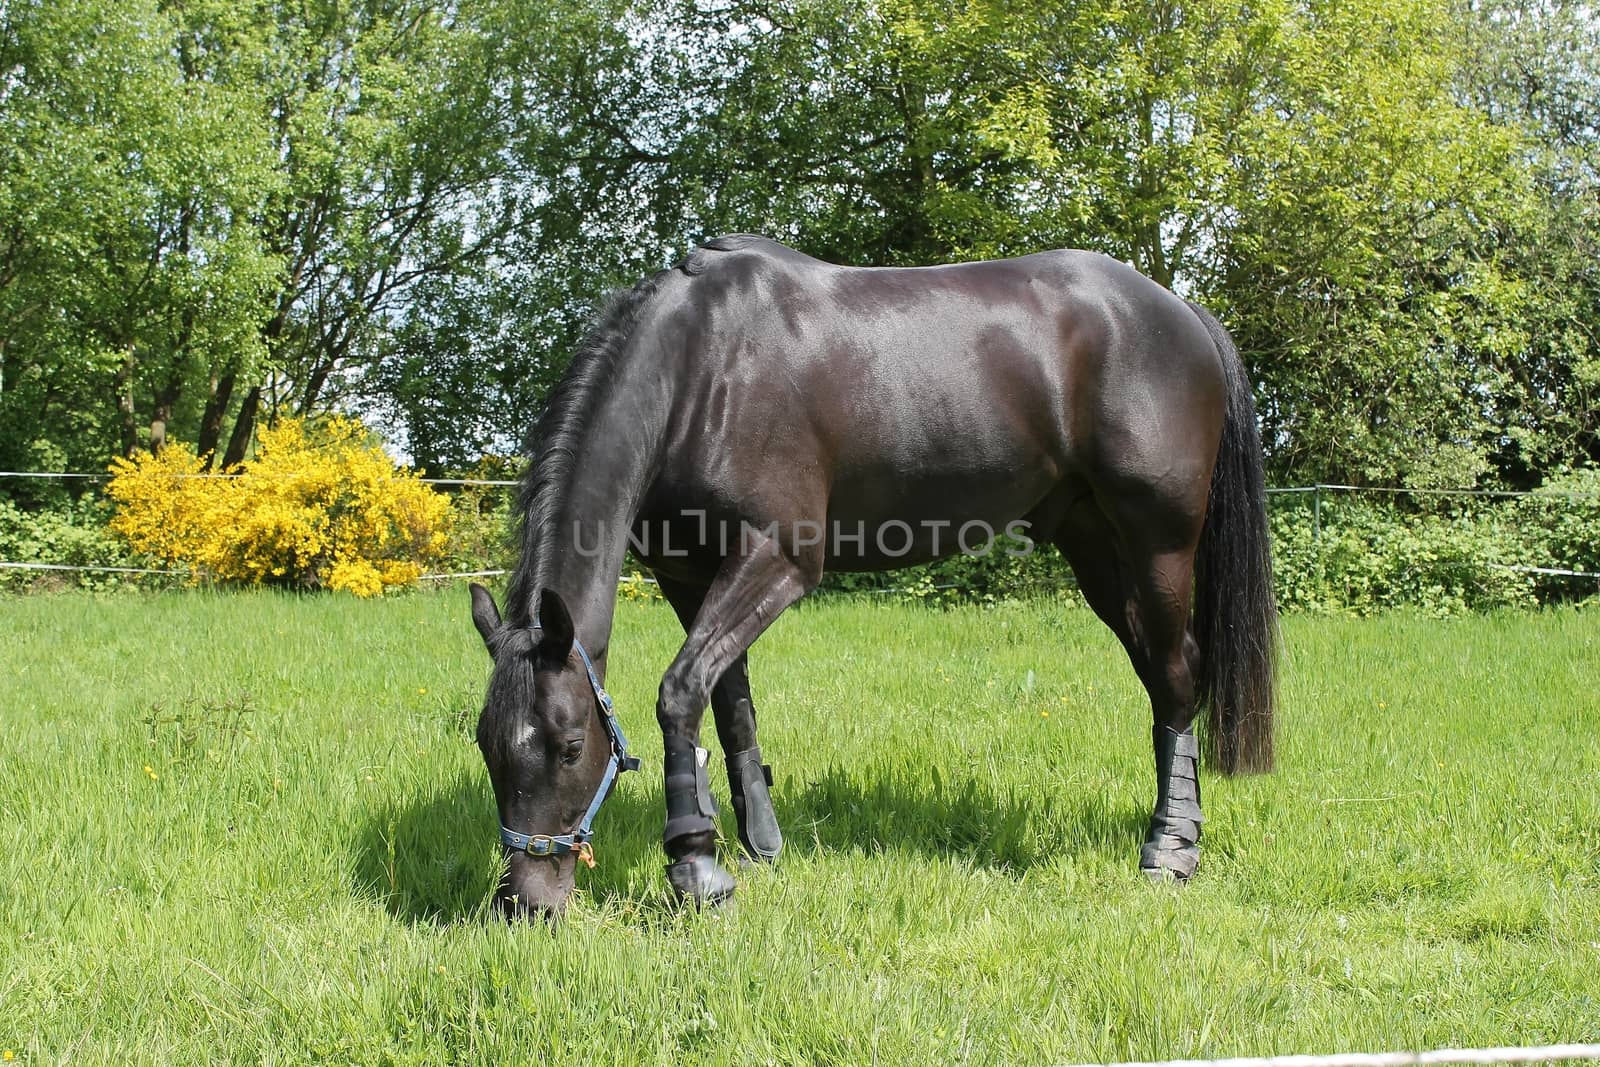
(972, 388)
(1025, 320)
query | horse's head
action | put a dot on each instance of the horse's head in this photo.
(547, 748)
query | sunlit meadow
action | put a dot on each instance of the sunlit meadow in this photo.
(255, 828)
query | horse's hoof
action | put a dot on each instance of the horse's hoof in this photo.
(700, 880)
(1170, 866)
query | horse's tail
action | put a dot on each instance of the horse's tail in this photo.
(1235, 614)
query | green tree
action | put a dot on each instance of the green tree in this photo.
(389, 124)
(125, 261)
(1534, 68)
(211, 213)
(1357, 200)
(214, 211)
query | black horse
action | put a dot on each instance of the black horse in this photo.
(754, 416)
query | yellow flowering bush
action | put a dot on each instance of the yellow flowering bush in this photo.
(320, 506)
(633, 585)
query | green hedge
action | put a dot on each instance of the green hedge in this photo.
(1356, 554)
(1365, 556)
(1561, 529)
(1439, 555)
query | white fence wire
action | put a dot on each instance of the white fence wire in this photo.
(1333, 487)
(74, 567)
(106, 477)
(1517, 1054)
(1317, 487)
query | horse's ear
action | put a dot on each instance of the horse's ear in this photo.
(555, 628)
(485, 616)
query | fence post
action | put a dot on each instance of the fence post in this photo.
(1316, 540)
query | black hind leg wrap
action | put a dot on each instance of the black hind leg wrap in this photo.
(1173, 845)
(750, 782)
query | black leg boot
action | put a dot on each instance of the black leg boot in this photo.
(1172, 848)
(690, 837)
(749, 782)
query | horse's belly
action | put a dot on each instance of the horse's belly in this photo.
(883, 519)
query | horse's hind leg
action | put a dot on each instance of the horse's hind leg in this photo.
(749, 779)
(1162, 607)
(1144, 598)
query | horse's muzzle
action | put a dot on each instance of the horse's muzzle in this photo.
(535, 888)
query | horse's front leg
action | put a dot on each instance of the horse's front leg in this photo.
(747, 594)
(749, 780)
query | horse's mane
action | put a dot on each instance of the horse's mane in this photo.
(554, 440)
(552, 445)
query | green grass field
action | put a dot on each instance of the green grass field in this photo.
(254, 828)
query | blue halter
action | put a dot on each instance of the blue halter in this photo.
(578, 839)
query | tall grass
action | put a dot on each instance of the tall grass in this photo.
(255, 828)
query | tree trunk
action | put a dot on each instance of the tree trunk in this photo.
(211, 418)
(166, 400)
(912, 232)
(244, 428)
(313, 390)
(167, 396)
(127, 426)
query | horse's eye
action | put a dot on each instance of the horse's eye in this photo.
(572, 750)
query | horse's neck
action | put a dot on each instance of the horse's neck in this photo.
(585, 548)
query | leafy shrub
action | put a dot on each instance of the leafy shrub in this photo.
(1365, 557)
(635, 584)
(962, 579)
(1439, 556)
(1560, 527)
(483, 528)
(480, 530)
(71, 533)
(1366, 554)
(319, 507)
